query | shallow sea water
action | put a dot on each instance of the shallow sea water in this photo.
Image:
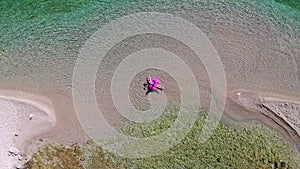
(257, 41)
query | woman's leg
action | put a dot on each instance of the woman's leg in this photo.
(159, 87)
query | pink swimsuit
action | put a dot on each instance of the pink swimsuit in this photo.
(154, 83)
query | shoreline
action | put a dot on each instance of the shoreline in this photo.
(55, 110)
(276, 111)
(24, 116)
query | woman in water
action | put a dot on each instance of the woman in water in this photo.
(153, 84)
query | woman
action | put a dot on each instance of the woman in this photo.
(153, 84)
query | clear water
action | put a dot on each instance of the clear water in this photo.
(40, 40)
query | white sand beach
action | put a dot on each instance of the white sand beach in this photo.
(22, 117)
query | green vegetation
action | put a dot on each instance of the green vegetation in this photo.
(292, 3)
(252, 147)
(57, 156)
(53, 156)
(98, 158)
(255, 146)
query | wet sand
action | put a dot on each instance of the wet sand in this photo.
(54, 119)
(277, 111)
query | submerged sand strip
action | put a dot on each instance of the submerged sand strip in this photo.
(282, 110)
(22, 117)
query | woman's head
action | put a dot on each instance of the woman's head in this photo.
(148, 79)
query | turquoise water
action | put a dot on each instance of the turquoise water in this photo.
(40, 40)
(292, 3)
